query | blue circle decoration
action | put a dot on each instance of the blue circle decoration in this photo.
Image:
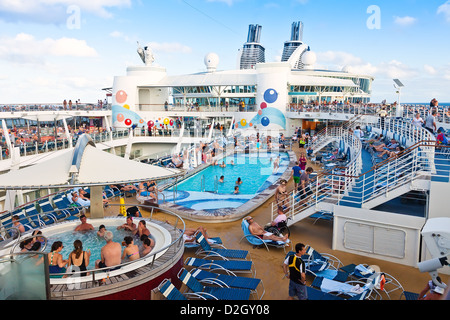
(270, 96)
(265, 121)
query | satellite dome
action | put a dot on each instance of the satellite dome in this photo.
(211, 61)
(309, 58)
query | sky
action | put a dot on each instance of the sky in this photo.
(51, 50)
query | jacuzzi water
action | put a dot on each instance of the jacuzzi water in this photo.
(90, 242)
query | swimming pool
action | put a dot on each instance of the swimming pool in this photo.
(203, 191)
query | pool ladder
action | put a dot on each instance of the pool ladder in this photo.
(203, 186)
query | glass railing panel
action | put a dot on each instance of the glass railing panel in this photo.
(24, 277)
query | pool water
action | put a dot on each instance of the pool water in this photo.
(253, 169)
(90, 242)
(203, 191)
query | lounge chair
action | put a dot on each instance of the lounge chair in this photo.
(8, 226)
(228, 266)
(37, 219)
(346, 290)
(208, 251)
(215, 293)
(251, 284)
(316, 261)
(195, 244)
(65, 206)
(322, 268)
(169, 291)
(409, 295)
(255, 241)
(362, 272)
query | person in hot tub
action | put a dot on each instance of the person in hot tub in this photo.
(111, 253)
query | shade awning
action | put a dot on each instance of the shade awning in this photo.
(95, 167)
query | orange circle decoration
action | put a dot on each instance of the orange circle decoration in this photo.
(121, 96)
(141, 121)
(120, 117)
(250, 124)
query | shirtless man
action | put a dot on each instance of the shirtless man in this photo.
(110, 254)
(129, 225)
(256, 230)
(84, 226)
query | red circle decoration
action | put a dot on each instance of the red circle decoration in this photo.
(263, 105)
(171, 122)
(121, 96)
(128, 122)
(150, 123)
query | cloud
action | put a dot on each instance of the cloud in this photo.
(336, 60)
(172, 47)
(430, 69)
(228, 2)
(404, 21)
(24, 48)
(445, 10)
(55, 11)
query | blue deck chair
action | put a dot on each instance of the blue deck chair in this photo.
(169, 291)
(112, 192)
(409, 295)
(36, 218)
(315, 260)
(214, 293)
(323, 269)
(64, 205)
(226, 280)
(7, 222)
(208, 251)
(255, 241)
(190, 245)
(364, 272)
(228, 266)
(345, 290)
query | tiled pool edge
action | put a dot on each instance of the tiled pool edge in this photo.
(229, 215)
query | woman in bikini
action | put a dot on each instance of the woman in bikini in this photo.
(131, 251)
(78, 258)
(56, 262)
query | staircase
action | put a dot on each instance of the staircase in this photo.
(413, 169)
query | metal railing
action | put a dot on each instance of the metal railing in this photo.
(421, 161)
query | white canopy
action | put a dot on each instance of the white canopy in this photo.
(96, 167)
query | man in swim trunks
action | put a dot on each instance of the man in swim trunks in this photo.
(110, 254)
(256, 230)
(129, 225)
(84, 226)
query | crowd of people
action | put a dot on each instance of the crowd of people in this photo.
(111, 256)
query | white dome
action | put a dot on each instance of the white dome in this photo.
(211, 61)
(309, 58)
